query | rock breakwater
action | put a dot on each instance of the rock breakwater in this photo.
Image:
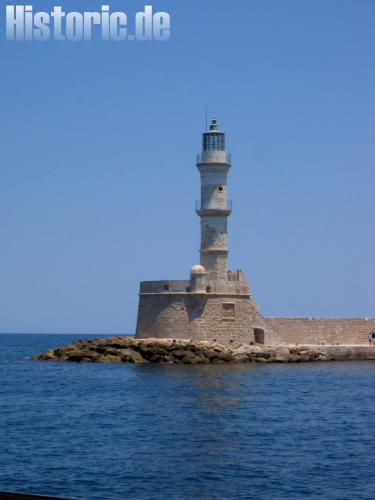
(130, 350)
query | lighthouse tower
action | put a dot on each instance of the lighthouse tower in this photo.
(213, 165)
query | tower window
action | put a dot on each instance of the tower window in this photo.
(229, 311)
(220, 189)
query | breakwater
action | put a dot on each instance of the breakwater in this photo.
(130, 350)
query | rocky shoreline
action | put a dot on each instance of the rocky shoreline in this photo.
(131, 350)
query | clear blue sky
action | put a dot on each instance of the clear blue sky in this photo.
(97, 161)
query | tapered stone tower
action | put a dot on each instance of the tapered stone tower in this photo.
(214, 304)
(213, 165)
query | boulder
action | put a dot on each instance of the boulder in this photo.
(259, 359)
(130, 356)
(78, 355)
(104, 358)
(281, 355)
(148, 352)
(246, 349)
(45, 356)
(178, 353)
(220, 357)
(192, 359)
(242, 358)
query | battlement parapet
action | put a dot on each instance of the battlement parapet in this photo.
(184, 286)
(230, 287)
(164, 286)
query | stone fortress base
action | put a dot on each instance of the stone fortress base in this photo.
(225, 313)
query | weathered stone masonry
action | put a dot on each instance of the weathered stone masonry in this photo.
(197, 317)
(329, 331)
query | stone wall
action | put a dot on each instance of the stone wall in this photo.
(227, 317)
(198, 316)
(334, 331)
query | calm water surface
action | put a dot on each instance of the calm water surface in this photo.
(184, 432)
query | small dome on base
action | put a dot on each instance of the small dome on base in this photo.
(198, 269)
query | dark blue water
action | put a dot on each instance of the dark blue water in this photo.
(184, 432)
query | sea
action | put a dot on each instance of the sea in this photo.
(252, 431)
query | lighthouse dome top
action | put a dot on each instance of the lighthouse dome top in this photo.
(214, 126)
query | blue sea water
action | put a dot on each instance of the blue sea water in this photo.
(96, 431)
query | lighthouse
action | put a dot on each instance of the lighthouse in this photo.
(214, 303)
(214, 164)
